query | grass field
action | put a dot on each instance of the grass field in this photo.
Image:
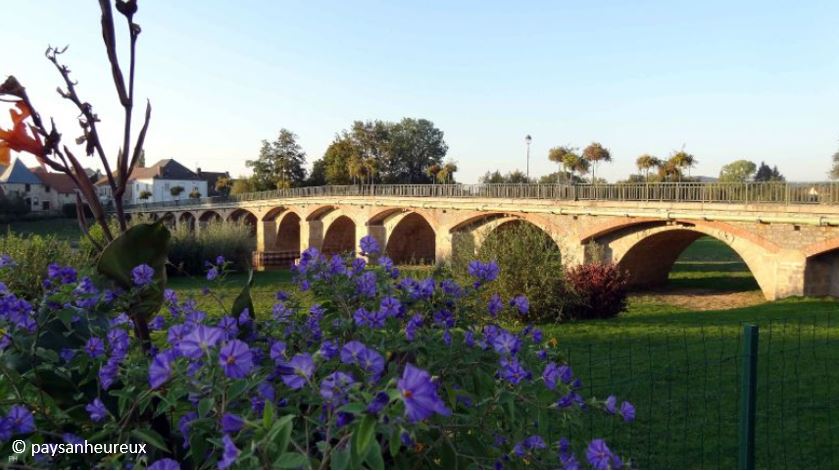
(681, 367)
(62, 228)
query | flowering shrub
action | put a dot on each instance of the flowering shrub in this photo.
(359, 367)
(600, 288)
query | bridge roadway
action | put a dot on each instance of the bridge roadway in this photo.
(791, 248)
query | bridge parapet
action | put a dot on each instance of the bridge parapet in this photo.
(825, 193)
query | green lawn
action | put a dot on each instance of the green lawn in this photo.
(62, 228)
(681, 368)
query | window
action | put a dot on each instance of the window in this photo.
(47, 189)
(45, 206)
(27, 187)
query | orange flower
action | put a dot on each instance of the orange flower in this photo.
(18, 138)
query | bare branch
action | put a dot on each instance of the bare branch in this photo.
(109, 37)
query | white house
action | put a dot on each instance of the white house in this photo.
(17, 181)
(156, 183)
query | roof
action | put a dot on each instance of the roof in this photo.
(18, 173)
(166, 169)
(60, 182)
(211, 178)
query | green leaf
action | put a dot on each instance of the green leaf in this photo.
(374, 457)
(267, 415)
(151, 437)
(244, 301)
(204, 407)
(362, 438)
(395, 442)
(340, 459)
(448, 457)
(236, 389)
(281, 433)
(292, 461)
(143, 243)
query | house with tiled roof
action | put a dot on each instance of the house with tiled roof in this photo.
(17, 181)
(166, 180)
(59, 188)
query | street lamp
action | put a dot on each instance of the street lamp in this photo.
(527, 140)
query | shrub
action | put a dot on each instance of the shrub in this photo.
(600, 290)
(69, 211)
(13, 207)
(381, 371)
(32, 255)
(232, 240)
(530, 263)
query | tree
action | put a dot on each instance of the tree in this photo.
(223, 185)
(669, 170)
(355, 169)
(280, 163)
(738, 171)
(573, 163)
(176, 190)
(317, 177)
(446, 173)
(412, 146)
(144, 195)
(336, 160)
(516, 176)
(768, 174)
(645, 163)
(492, 177)
(834, 171)
(195, 194)
(682, 160)
(242, 185)
(595, 153)
(558, 154)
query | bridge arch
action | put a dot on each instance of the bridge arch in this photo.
(339, 236)
(243, 216)
(410, 239)
(187, 219)
(169, 219)
(469, 234)
(821, 272)
(209, 215)
(647, 251)
(288, 232)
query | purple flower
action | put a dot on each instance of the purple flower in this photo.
(94, 347)
(334, 388)
(277, 352)
(611, 404)
(198, 342)
(97, 410)
(160, 369)
(420, 395)
(236, 359)
(365, 318)
(229, 453)
(512, 371)
(390, 306)
(372, 362)
(165, 463)
(184, 424)
(411, 327)
(534, 442)
(627, 411)
(212, 273)
(484, 272)
(495, 305)
(328, 350)
(351, 352)
(231, 423)
(6, 261)
(343, 418)
(366, 284)
(281, 313)
(156, 324)
(142, 275)
(520, 302)
(551, 375)
(20, 420)
(506, 343)
(299, 370)
(369, 245)
(67, 354)
(380, 400)
(108, 373)
(598, 454)
(229, 326)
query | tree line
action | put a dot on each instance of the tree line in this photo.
(408, 151)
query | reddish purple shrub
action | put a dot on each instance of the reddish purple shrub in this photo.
(600, 290)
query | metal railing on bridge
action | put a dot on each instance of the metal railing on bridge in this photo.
(740, 193)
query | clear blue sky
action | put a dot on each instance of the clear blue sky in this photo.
(729, 80)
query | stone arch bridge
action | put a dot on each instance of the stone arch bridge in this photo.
(790, 246)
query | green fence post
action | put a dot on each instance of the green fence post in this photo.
(748, 399)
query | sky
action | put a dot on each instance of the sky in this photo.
(725, 80)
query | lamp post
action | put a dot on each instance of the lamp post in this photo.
(527, 140)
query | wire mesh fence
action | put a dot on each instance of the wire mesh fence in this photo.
(688, 393)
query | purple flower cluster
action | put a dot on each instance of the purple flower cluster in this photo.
(17, 421)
